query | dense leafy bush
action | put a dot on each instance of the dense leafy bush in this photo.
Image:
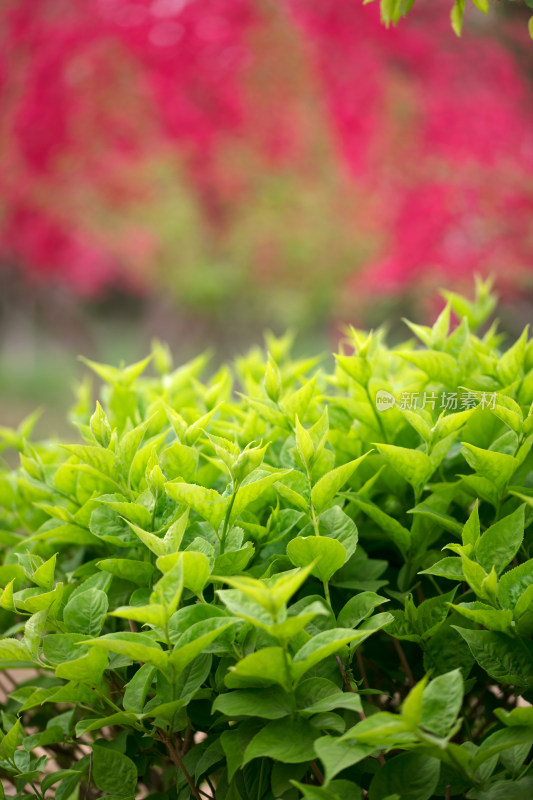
(243, 594)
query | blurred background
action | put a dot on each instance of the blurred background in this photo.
(200, 170)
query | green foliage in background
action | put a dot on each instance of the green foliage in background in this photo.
(393, 10)
(280, 582)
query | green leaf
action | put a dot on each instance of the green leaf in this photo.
(524, 605)
(10, 742)
(491, 618)
(286, 631)
(359, 608)
(325, 490)
(503, 658)
(514, 583)
(153, 614)
(260, 594)
(234, 561)
(60, 775)
(413, 465)
(124, 376)
(185, 651)
(304, 444)
(286, 585)
(319, 695)
(337, 790)
(425, 509)
(511, 364)
(100, 459)
(119, 719)
(336, 524)
(292, 497)
(60, 647)
(260, 669)
(152, 542)
(271, 703)
(234, 743)
(471, 530)
(272, 380)
(137, 688)
(195, 566)
(131, 512)
(321, 646)
(44, 575)
(86, 612)
(250, 492)
(179, 461)
(451, 568)
(273, 597)
(289, 741)
(457, 16)
(495, 467)
(337, 755)
(87, 668)
(137, 646)
(500, 543)
(410, 776)
(438, 366)
(399, 535)
(327, 555)
(72, 692)
(475, 576)
(412, 705)
(12, 650)
(33, 630)
(296, 403)
(450, 423)
(6, 599)
(381, 730)
(499, 741)
(168, 590)
(114, 772)
(441, 702)
(208, 503)
(139, 572)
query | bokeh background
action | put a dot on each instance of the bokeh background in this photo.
(200, 170)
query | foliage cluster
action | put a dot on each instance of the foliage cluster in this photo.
(393, 10)
(234, 587)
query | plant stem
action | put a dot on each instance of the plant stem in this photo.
(316, 772)
(226, 520)
(405, 664)
(314, 519)
(288, 675)
(362, 670)
(260, 785)
(90, 776)
(38, 794)
(344, 676)
(108, 700)
(177, 761)
(377, 416)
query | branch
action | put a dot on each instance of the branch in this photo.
(177, 761)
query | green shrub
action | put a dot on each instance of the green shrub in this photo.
(243, 592)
